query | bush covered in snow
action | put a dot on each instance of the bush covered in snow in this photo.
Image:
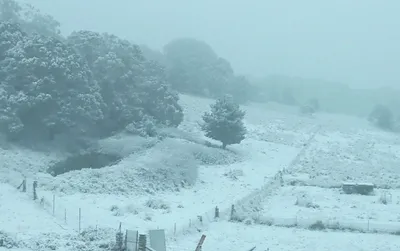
(157, 204)
(7, 242)
(162, 167)
(89, 239)
(148, 165)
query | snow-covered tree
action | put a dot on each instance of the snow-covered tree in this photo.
(382, 117)
(153, 55)
(46, 88)
(10, 35)
(30, 18)
(158, 100)
(194, 67)
(225, 122)
(310, 107)
(9, 10)
(134, 89)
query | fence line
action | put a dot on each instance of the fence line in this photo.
(321, 223)
(254, 198)
(72, 217)
(75, 220)
(201, 222)
(273, 184)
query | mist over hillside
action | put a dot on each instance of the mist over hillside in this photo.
(188, 125)
(185, 65)
(340, 41)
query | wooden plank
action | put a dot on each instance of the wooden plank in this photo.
(157, 240)
(252, 248)
(131, 241)
(200, 244)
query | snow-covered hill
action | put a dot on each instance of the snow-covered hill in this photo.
(168, 182)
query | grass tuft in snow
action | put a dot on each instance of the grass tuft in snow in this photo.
(304, 200)
(7, 241)
(318, 225)
(116, 210)
(157, 204)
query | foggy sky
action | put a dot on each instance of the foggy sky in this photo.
(356, 42)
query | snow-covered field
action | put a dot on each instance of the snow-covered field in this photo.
(323, 203)
(216, 186)
(19, 214)
(233, 236)
(354, 156)
(167, 183)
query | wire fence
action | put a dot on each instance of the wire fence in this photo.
(78, 218)
(74, 218)
(71, 216)
(340, 224)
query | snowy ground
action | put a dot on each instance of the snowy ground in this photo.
(233, 236)
(357, 156)
(144, 191)
(326, 203)
(22, 216)
(217, 186)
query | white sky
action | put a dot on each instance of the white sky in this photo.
(351, 41)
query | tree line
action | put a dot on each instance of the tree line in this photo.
(91, 85)
(94, 85)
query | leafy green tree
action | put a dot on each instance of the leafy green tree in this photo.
(225, 122)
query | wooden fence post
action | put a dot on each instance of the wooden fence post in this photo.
(233, 212)
(24, 186)
(54, 204)
(216, 215)
(119, 238)
(80, 215)
(34, 190)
